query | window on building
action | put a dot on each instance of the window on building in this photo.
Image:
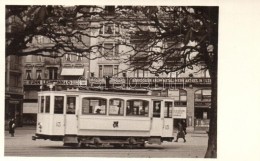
(115, 72)
(156, 108)
(140, 73)
(28, 74)
(40, 39)
(183, 95)
(109, 28)
(108, 49)
(94, 105)
(137, 108)
(47, 104)
(109, 10)
(68, 57)
(39, 58)
(39, 74)
(79, 57)
(58, 104)
(100, 71)
(108, 70)
(71, 105)
(116, 107)
(53, 73)
(15, 80)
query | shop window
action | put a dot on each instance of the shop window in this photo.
(168, 110)
(116, 107)
(94, 106)
(58, 104)
(156, 108)
(137, 108)
(71, 104)
(47, 104)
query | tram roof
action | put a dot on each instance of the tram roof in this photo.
(140, 93)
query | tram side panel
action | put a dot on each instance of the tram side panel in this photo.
(114, 126)
(43, 124)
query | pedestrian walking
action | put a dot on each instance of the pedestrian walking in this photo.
(180, 133)
(12, 127)
(184, 125)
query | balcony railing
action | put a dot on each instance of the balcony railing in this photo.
(133, 81)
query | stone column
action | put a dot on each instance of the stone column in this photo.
(190, 108)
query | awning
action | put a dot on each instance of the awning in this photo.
(72, 71)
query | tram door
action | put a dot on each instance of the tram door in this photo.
(157, 120)
(168, 120)
(71, 122)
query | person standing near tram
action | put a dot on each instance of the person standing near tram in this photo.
(180, 133)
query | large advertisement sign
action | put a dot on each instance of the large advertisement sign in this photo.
(179, 112)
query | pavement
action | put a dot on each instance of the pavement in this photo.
(22, 145)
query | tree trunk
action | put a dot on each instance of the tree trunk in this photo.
(212, 141)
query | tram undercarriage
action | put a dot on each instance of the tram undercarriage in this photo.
(103, 141)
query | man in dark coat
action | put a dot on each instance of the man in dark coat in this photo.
(180, 133)
(184, 126)
(11, 127)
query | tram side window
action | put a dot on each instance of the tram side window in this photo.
(156, 108)
(71, 102)
(116, 107)
(168, 110)
(137, 108)
(42, 104)
(47, 104)
(58, 104)
(94, 105)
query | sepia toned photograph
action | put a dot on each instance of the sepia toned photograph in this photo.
(112, 81)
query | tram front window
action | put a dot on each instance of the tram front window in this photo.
(47, 104)
(71, 102)
(137, 108)
(156, 108)
(58, 104)
(41, 104)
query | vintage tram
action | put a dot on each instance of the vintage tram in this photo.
(94, 118)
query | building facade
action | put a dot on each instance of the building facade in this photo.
(13, 89)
